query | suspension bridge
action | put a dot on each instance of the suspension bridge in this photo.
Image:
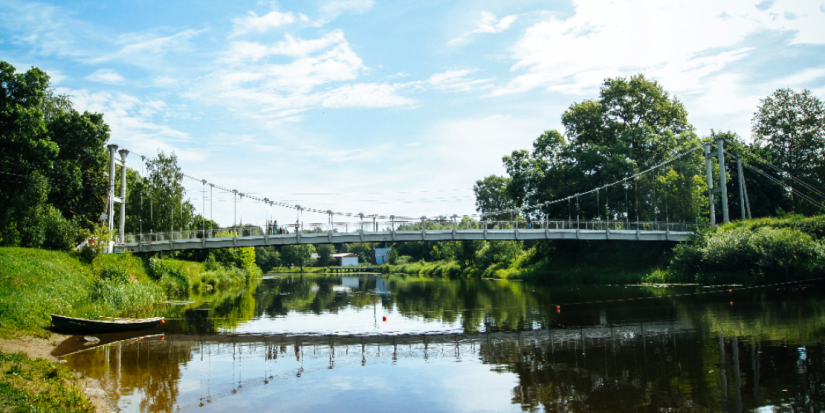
(614, 221)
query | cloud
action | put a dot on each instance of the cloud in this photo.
(456, 80)
(140, 47)
(333, 9)
(105, 76)
(765, 4)
(365, 95)
(251, 51)
(278, 81)
(487, 24)
(614, 39)
(253, 22)
(131, 123)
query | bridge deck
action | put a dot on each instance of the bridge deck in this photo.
(404, 236)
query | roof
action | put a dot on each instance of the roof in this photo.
(344, 255)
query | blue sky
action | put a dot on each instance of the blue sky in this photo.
(392, 107)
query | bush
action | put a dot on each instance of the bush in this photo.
(765, 255)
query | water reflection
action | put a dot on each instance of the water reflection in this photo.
(465, 345)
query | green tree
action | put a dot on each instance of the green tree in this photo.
(633, 125)
(791, 126)
(492, 195)
(53, 162)
(297, 254)
(325, 252)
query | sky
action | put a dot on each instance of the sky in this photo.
(391, 108)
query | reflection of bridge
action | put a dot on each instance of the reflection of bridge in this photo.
(585, 333)
(550, 230)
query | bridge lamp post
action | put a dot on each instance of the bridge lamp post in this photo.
(374, 224)
(235, 201)
(330, 213)
(423, 222)
(454, 220)
(298, 218)
(361, 223)
(392, 222)
(266, 203)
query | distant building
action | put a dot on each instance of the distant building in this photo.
(345, 259)
(382, 255)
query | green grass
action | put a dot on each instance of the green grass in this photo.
(28, 385)
(35, 283)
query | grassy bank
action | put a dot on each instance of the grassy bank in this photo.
(35, 283)
(752, 252)
(36, 385)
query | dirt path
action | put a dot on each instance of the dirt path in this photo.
(42, 348)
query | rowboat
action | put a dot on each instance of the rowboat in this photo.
(106, 325)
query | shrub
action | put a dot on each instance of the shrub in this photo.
(765, 254)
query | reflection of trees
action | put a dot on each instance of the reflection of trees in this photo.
(153, 368)
(661, 372)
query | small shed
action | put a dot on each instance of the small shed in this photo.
(346, 258)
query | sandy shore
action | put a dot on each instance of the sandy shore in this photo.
(42, 348)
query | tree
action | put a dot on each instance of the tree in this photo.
(791, 126)
(492, 195)
(325, 252)
(53, 162)
(297, 254)
(633, 125)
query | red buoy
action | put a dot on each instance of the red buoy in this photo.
(163, 321)
(730, 291)
(385, 318)
(558, 308)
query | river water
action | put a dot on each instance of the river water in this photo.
(372, 343)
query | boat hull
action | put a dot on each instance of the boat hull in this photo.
(83, 326)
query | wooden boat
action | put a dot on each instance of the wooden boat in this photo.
(107, 325)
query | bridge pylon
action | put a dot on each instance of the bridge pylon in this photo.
(722, 189)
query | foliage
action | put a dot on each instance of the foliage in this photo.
(761, 254)
(633, 125)
(241, 257)
(491, 194)
(36, 385)
(297, 255)
(325, 252)
(267, 258)
(54, 161)
(791, 127)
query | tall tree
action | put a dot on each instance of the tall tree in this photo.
(791, 126)
(492, 195)
(633, 125)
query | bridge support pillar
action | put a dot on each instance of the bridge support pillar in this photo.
(709, 167)
(720, 153)
(122, 223)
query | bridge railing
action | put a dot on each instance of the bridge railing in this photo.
(387, 226)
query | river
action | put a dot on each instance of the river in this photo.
(373, 343)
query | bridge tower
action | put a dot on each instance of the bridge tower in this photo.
(722, 189)
(112, 198)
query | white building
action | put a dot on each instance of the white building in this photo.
(346, 258)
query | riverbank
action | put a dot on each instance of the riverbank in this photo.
(35, 283)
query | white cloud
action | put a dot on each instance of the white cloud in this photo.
(333, 9)
(456, 80)
(141, 48)
(259, 81)
(487, 24)
(679, 43)
(260, 24)
(105, 76)
(251, 51)
(365, 95)
(131, 123)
